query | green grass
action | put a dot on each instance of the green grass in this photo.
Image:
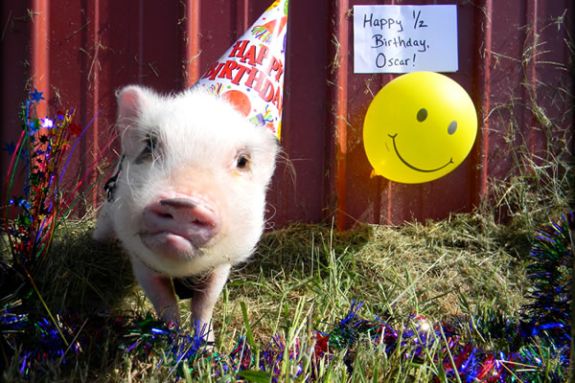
(302, 278)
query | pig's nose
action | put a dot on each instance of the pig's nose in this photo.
(187, 210)
(191, 218)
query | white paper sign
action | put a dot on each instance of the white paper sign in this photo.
(404, 38)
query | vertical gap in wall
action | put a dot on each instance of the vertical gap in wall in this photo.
(529, 66)
(338, 97)
(84, 94)
(484, 87)
(95, 86)
(192, 43)
(41, 52)
(141, 38)
(245, 16)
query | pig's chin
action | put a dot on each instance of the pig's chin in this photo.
(170, 246)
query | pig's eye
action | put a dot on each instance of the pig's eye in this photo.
(243, 162)
(149, 152)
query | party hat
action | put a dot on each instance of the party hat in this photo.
(251, 72)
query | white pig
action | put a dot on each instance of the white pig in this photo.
(189, 196)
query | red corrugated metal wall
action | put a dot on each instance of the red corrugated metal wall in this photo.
(513, 55)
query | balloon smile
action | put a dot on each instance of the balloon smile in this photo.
(410, 165)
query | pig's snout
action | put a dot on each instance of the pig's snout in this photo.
(173, 224)
(188, 211)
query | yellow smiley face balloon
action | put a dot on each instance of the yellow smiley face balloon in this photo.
(419, 127)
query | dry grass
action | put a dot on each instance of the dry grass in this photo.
(304, 277)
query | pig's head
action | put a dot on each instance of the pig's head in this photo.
(191, 190)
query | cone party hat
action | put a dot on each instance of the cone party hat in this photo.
(251, 72)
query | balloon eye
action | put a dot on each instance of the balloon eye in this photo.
(452, 127)
(422, 115)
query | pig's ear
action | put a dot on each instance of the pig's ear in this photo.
(132, 101)
(267, 154)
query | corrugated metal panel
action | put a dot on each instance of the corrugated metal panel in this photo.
(14, 47)
(513, 55)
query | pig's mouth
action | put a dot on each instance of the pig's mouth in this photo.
(170, 245)
(178, 227)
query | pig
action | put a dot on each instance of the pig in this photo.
(189, 194)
